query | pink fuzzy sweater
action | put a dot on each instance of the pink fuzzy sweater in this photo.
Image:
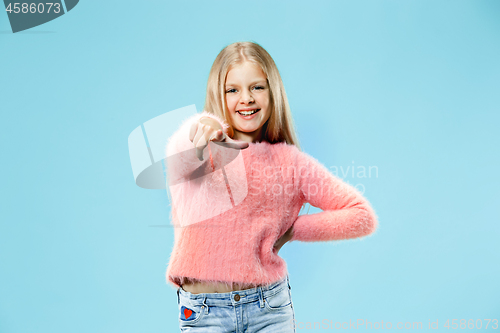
(229, 209)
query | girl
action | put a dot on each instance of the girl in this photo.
(236, 203)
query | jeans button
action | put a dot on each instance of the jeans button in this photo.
(236, 297)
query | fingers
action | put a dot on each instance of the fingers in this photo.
(217, 136)
(200, 134)
(230, 143)
(287, 236)
(200, 142)
(277, 246)
(237, 144)
(240, 144)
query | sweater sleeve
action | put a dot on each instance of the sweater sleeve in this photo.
(346, 213)
(181, 152)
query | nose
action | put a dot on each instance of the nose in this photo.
(246, 97)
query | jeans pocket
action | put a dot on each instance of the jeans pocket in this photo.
(280, 300)
(190, 314)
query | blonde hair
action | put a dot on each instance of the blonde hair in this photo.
(280, 126)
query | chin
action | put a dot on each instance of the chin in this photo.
(248, 130)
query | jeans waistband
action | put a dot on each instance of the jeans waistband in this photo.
(234, 297)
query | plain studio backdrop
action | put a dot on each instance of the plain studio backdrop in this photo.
(408, 88)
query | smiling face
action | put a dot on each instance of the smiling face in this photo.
(247, 100)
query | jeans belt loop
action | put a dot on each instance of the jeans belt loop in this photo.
(205, 304)
(261, 297)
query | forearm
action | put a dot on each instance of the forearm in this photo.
(357, 221)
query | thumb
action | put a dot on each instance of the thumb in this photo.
(219, 136)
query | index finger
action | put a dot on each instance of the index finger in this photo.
(233, 144)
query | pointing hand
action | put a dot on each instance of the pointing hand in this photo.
(207, 129)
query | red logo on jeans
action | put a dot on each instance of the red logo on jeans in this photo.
(187, 313)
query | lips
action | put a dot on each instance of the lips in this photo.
(248, 112)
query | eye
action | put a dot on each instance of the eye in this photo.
(259, 87)
(232, 90)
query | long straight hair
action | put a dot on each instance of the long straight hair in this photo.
(280, 126)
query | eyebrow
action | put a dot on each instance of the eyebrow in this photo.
(253, 82)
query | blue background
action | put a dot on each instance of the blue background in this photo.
(410, 87)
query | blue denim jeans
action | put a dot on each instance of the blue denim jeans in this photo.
(261, 309)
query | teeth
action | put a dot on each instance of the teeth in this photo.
(247, 113)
